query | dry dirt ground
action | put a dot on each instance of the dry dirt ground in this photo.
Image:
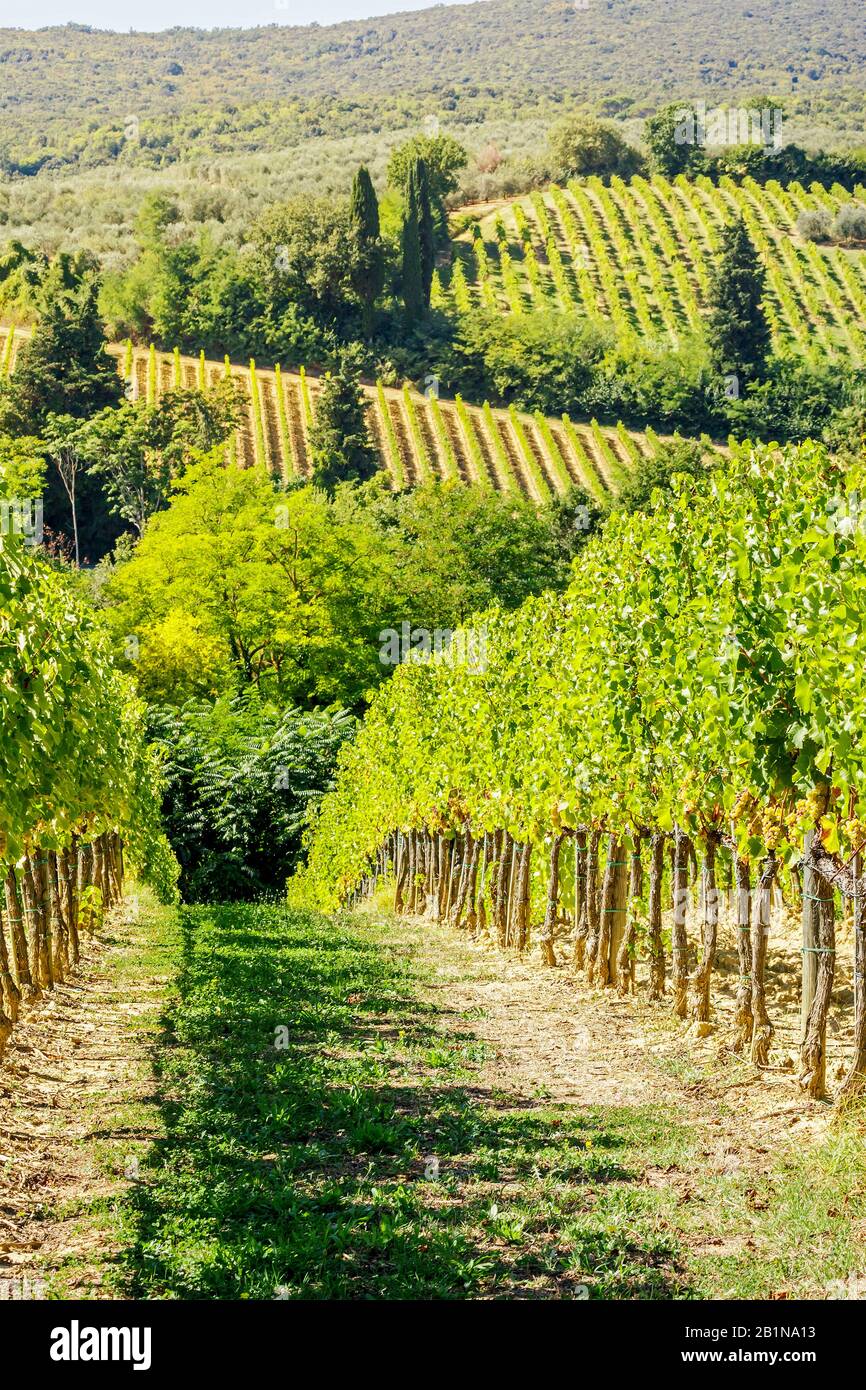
(549, 1034)
(78, 1095)
(75, 1090)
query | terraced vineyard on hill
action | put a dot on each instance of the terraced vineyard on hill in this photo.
(637, 255)
(418, 437)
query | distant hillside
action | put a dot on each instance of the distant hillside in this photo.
(73, 95)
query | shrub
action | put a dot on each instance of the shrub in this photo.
(241, 776)
(673, 456)
(814, 225)
(850, 223)
(580, 145)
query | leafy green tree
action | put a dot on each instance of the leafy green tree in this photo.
(262, 586)
(242, 583)
(29, 280)
(155, 216)
(65, 371)
(22, 467)
(368, 272)
(139, 449)
(340, 444)
(300, 263)
(443, 157)
(21, 271)
(190, 293)
(241, 776)
(580, 145)
(671, 136)
(573, 518)
(738, 330)
(670, 458)
(798, 400)
(849, 224)
(541, 361)
(815, 224)
(456, 550)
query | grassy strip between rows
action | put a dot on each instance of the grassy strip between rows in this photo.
(322, 1135)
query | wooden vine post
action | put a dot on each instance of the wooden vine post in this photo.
(400, 873)
(547, 931)
(522, 896)
(581, 917)
(762, 1028)
(471, 887)
(654, 913)
(625, 958)
(680, 942)
(811, 932)
(700, 980)
(613, 912)
(855, 1081)
(593, 915)
(743, 1004)
(498, 880)
(813, 1053)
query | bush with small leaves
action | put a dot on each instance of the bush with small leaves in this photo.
(814, 224)
(849, 224)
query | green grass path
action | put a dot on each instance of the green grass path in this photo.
(324, 1140)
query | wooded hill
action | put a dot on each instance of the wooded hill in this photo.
(67, 94)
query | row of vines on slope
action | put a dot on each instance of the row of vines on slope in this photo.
(697, 691)
(80, 788)
(468, 443)
(418, 437)
(639, 255)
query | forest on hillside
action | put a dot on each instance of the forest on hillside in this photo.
(75, 97)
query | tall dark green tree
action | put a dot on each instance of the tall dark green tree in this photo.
(738, 330)
(419, 242)
(426, 228)
(413, 277)
(368, 265)
(443, 158)
(64, 369)
(674, 140)
(340, 444)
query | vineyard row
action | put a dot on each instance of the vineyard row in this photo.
(697, 690)
(638, 255)
(81, 788)
(418, 437)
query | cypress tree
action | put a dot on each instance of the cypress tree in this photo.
(413, 279)
(426, 229)
(368, 269)
(340, 443)
(738, 331)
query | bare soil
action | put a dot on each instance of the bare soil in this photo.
(75, 1083)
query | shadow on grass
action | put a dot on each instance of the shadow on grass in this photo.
(324, 1140)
